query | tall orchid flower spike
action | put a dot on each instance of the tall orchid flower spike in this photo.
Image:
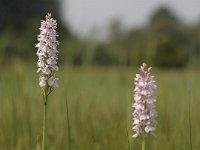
(144, 115)
(47, 54)
(47, 64)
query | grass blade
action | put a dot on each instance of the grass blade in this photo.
(68, 124)
(128, 139)
(190, 126)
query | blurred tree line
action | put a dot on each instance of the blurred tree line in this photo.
(165, 41)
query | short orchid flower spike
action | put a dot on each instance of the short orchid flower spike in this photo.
(144, 115)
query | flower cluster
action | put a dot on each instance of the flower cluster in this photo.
(47, 53)
(144, 114)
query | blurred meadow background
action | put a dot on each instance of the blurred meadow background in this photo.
(102, 44)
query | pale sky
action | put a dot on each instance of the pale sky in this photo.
(82, 15)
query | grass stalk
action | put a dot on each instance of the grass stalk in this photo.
(189, 85)
(68, 125)
(92, 143)
(128, 142)
(190, 127)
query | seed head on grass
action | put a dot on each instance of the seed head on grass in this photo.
(144, 115)
(47, 54)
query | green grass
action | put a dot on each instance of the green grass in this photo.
(99, 109)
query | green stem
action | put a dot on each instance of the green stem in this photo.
(44, 123)
(143, 142)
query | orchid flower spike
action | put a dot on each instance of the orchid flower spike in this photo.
(144, 115)
(47, 54)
